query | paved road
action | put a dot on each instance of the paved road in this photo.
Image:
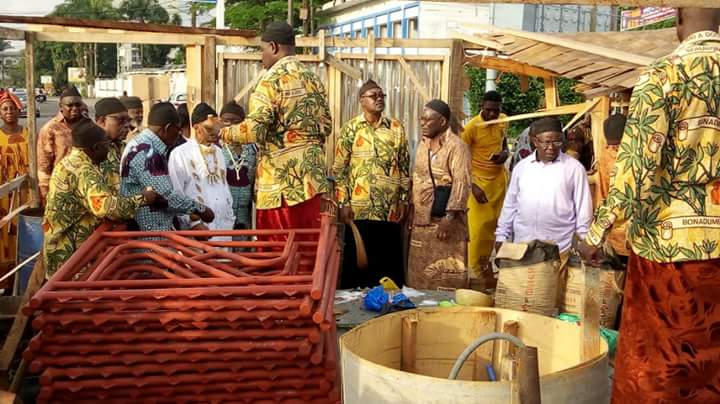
(49, 109)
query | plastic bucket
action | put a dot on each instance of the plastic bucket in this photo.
(30, 241)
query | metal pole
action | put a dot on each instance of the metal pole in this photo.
(290, 17)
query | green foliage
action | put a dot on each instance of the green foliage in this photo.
(15, 74)
(515, 101)
(256, 14)
(148, 11)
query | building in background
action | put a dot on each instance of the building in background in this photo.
(128, 57)
(10, 60)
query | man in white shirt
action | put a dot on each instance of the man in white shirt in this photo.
(197, 170)
(549, 195)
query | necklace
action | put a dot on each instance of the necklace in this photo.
(236, 166)
(215, 174)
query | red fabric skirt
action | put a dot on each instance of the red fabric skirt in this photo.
(669, 347)
(305, 215)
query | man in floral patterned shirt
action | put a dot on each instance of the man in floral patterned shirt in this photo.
(80, 198)
(666, 184)
(289, 120)
(372, 170)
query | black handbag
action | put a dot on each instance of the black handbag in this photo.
(441, 194)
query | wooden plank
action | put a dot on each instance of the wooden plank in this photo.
(12, 342)
(456, 80)
(556, 40)
(510, 66)
(11, 215)
(31, 120)
(413, 78)
(123, 25)
(408, 350)
(582, 113)
(337, 42)
(408, 58)
(258, 57)
(371, 47)
(193, 74)
(343, 67)
(477, 41)
(95, 36)
(249, 86)
(209, 72)
(12, 34)
(524, 83)
(551, 94)
(597, 122)
(8, 187)
(591, 315)
(561, 110)
(221, 81)
(321, 45)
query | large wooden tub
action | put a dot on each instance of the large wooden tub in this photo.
(427, 342)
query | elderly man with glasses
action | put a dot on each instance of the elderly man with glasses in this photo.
(372, 169)
(55, 138)
(112, 116)
(549, 195)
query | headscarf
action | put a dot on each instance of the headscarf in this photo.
(6, 96)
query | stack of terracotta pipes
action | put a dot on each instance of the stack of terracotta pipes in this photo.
(167, 318)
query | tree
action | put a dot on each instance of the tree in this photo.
(256, 14)
(148, 11)
(515, 101)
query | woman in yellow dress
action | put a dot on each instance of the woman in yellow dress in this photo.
(13, 163)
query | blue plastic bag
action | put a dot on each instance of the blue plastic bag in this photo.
(376, 299)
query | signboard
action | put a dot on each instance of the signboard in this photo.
(76, 75)
(642, 16)
(45, 80)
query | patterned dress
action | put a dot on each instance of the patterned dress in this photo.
(289, 119)
(13, 163)
(241, 167)
(111, 166)
(666, 185)
(54, 143)
(144, 164)
(78, 201)
(434, 263)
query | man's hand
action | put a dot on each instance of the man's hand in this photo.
(500, 158)
(402, 212)
(346, 214)
(443, 230)
(207, 215)
(150, 196)
(590, 254)
(479, 194)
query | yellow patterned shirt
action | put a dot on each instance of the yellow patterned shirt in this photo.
(79, 200)
(666, 181)
(289, 119)
(372, 168)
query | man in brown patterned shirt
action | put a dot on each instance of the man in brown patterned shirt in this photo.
(55, 138)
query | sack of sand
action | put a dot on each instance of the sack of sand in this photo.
(530, 277)
(610, 285)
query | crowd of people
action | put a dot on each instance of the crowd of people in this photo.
(657, 194)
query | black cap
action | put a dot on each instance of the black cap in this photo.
(440, 107)
(200, 113)
(132, 102)
(71, 91)
(279, 32)
(163, 113)
(369, 85)
(548, 124)
(108, 106)
(85, 134)
(233, 107)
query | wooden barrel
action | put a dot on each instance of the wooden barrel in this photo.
(406, 357)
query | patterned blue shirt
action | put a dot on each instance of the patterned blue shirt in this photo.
(241, 178)
(144, 164)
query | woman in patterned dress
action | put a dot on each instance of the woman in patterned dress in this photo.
(13, 163)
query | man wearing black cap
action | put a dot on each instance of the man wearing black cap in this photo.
(55, 139)
(549, 195)
(112, 116)
(441, 185)
(80, 198)
(197, 170)
(289, 120)
(241, 163)
(135, 110)
(372, 174)
(144, 166)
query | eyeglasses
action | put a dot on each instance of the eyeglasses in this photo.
(74, 104)
(375, 97)
(121, 120)
(546, 144)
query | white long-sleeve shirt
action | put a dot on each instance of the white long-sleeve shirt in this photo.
(198, 173)
(546, 201)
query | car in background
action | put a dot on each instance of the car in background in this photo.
(22, 96)
(40, 95)
(178, 99)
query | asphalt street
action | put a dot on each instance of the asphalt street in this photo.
(49, 109)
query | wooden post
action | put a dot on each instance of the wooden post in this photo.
(220, 81)
(529, 376)
(209, 72)
(551, 95)
(591, 315)
(455, 91)
(370, 73)
(31, 122)
(408, 350)
(193, 73)
(597, 119)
